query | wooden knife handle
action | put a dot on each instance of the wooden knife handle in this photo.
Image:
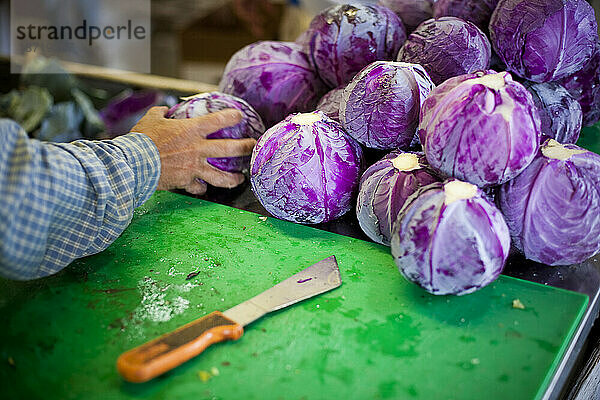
(172, 349)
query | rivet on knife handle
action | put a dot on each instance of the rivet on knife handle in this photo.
(172, 349)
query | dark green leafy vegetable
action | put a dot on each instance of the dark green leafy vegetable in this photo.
(54, 105)
(49, 74)
(61, 124)
(93, 123)
(26, 107)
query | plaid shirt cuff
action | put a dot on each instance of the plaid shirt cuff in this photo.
(62, 201)
(143, 157)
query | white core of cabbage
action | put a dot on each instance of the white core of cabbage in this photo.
(194, 96)
(496, 82)
(306, 119)
(493, 81)
(457, 190)
(406, 162)
(553, 149)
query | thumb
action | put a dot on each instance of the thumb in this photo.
(158, 111)
(197, 187)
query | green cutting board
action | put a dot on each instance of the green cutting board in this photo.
(590, 138)
(375, 337)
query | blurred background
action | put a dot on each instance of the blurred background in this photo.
(193, 39)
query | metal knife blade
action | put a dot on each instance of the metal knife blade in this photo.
(316, 279)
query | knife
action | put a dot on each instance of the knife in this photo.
(172, 349)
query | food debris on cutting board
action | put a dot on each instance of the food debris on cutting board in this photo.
(204, 375)
(516, 303)
(192, 275)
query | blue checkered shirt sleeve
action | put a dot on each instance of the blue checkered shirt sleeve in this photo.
(62, 201)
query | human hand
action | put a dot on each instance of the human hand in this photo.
(183, 149)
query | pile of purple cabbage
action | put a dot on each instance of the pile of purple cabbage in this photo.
(474, 108)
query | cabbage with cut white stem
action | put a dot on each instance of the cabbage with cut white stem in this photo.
(553, 207)
(380, 106)
(449, 239)
(481, 128)
(306, 169)
(384, 188)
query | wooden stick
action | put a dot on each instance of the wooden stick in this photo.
(132, 78)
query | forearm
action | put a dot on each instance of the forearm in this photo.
(59, 202)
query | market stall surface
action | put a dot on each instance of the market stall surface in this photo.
(377, 336)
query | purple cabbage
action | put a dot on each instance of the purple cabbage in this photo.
(584, 86)
(482, 128)
(251, 125)
(330, 103)
(447, 47)
(449, 239)
(553, 208)
(343, 39)
(275, 78)
(384, 188)
(544, 40)
(411, 12)
(380, 106)
(478, 12)
(306, 169)
(559, 112)
(124, 111)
